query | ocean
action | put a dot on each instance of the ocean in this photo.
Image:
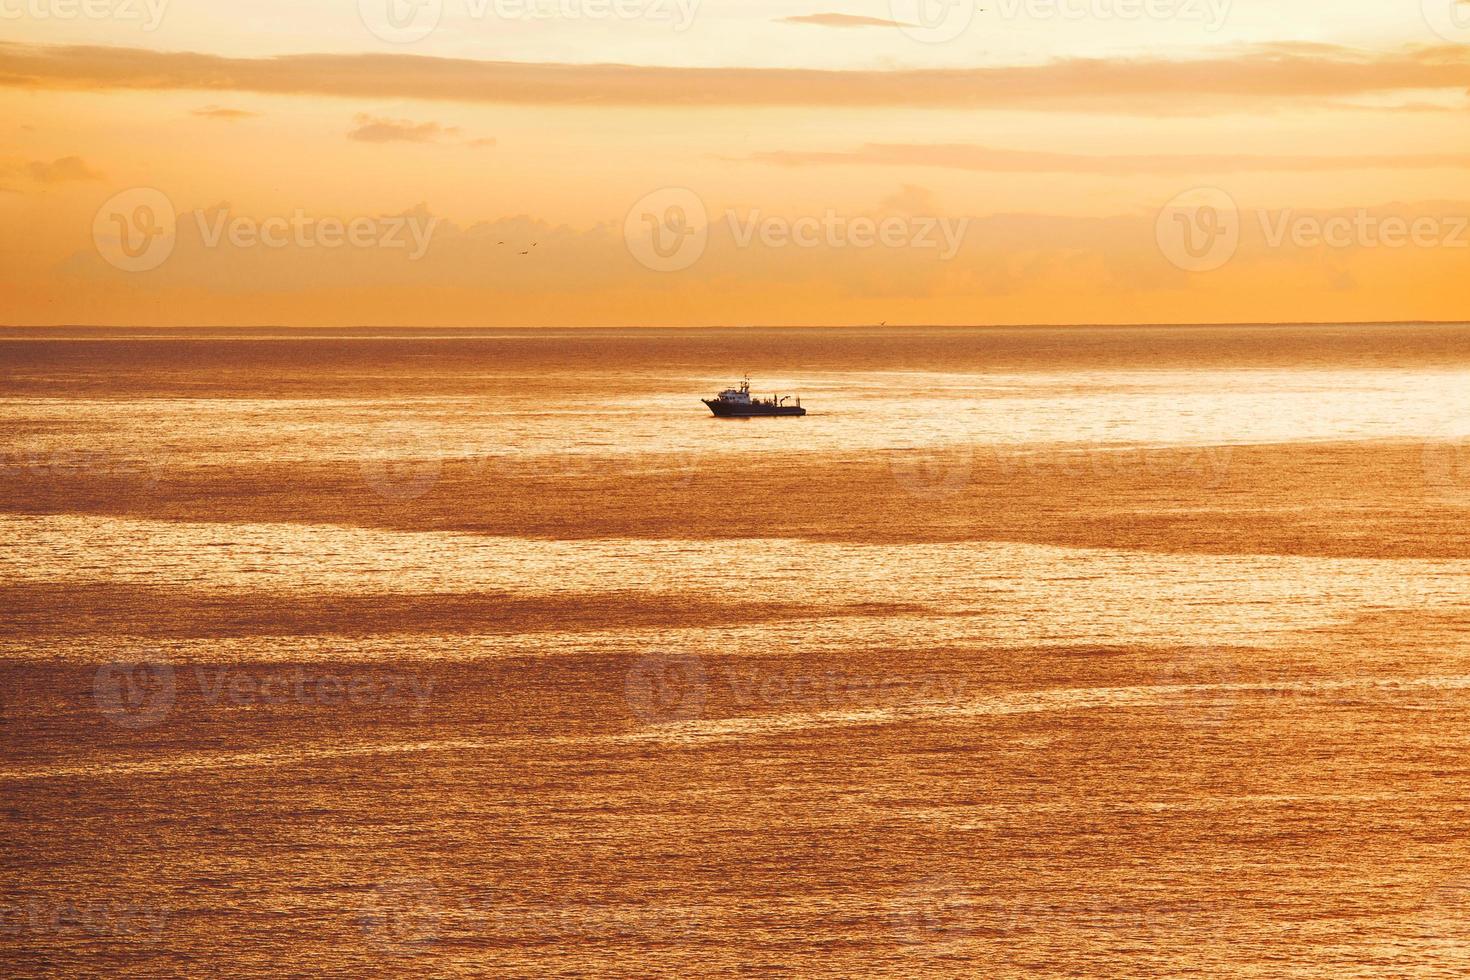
(1026, 653)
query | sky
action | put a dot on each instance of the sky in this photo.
(691, 162)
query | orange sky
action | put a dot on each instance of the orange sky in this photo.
(1089, 161)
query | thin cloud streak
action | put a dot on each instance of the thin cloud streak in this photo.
(993, 160)
(1281, 72)
(224, 113)
(62, 170)
(371, 129)
(842, 20)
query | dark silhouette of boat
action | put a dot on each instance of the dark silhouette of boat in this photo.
(737, 403)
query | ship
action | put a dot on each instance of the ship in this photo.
(737, 403)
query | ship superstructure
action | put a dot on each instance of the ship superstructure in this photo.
(739, 403)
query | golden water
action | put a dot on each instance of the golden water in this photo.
(1114, 652)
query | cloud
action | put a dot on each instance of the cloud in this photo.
(1022, 267)
(372, 129)
(64, 169)
(842, 20)
(223, 113)
(961, 156)
(911, 199)
(483, 141)
(1240, 80)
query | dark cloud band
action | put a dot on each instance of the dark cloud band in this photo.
(1135, 86)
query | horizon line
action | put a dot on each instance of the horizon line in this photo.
(753, 326)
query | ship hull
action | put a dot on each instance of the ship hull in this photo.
(728, 411)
